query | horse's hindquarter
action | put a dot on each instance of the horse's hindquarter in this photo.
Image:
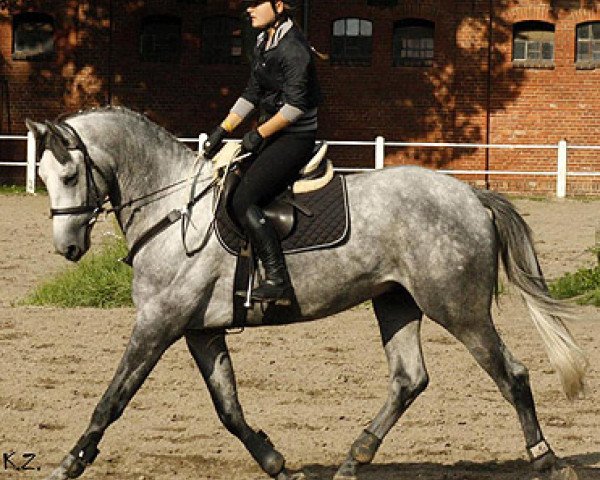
(412, 226)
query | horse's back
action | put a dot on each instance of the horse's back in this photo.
(417, 195)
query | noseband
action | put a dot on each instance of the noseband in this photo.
(94, 203)
(60, 146)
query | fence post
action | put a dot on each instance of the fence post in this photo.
(561, 177)
(31, 159)
(379, 152)
(201, 139)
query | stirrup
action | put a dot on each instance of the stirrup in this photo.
(279, 294)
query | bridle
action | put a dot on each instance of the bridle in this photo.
(94, 202)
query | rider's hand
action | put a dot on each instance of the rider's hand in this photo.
(252, 141)
(214, 141)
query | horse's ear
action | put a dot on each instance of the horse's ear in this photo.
(38, 129)
(57, 142)
(54, 129)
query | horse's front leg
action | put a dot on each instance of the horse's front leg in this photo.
(212, 357)
(151, 336)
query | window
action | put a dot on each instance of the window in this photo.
(588, 43)
(352, 42)
(533, 43)
(413, 43)
(160, 40)
(33, 36)
(221, 40)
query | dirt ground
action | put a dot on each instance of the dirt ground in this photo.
(311, 387)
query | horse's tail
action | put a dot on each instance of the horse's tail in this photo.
(523, 269)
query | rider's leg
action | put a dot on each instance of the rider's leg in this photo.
(273, 170)
(263, 237)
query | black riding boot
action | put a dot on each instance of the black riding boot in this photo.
(276, 286)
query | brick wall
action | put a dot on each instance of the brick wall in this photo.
(458, 99)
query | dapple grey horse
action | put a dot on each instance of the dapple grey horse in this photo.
(420, 243)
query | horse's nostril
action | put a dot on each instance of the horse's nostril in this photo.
(73, 253)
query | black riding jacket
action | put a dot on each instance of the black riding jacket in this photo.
(283, 75)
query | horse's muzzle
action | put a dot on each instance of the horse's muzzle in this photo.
(73, 253)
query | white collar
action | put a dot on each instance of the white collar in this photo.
(279, 34)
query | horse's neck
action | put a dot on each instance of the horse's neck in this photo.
(144, 169)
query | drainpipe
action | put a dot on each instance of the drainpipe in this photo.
(488, 92)
(5, 106)
(110, 51)
(305, 19)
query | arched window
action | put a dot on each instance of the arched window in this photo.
(413, 43)
(588, 43)
(33, 36)
(160, 39)
(533, 42)
(352, 41)
(221, 40)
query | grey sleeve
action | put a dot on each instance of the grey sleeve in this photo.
(242, 107)
(291, 113)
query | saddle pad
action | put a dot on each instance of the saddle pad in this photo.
(327, 227)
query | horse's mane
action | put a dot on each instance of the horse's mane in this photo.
(120, 110)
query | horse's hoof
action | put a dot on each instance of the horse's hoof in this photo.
(564, 473)
(347, 470)
(547, 462)
(58, 474)
(342, 476)
(285, 475)
(70, 467)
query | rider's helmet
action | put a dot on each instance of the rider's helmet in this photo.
(291, 3)
(289, 7)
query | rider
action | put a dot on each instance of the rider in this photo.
(284, 87)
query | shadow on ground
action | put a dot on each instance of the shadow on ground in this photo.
(586, 465)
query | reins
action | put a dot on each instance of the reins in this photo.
(169, 219)
(96, 205)
(133, 201)
(186, 213)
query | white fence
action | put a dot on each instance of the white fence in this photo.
(559, 170)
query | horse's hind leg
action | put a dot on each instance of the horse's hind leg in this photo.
(512, 378)
(212, 357)
(399, 320)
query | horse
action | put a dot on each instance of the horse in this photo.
(434, 250)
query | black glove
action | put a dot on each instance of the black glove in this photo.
(252, 141)
(214, 141)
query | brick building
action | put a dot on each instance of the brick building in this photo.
(519, 72)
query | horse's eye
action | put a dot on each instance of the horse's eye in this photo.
(70, 180)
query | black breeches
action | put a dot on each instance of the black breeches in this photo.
(276, 167)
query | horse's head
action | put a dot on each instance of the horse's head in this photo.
(75, 185)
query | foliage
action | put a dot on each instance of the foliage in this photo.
(584, 285)
(99, 280)
(11, 189)
(20, 190)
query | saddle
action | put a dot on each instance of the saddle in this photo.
(311, 214)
